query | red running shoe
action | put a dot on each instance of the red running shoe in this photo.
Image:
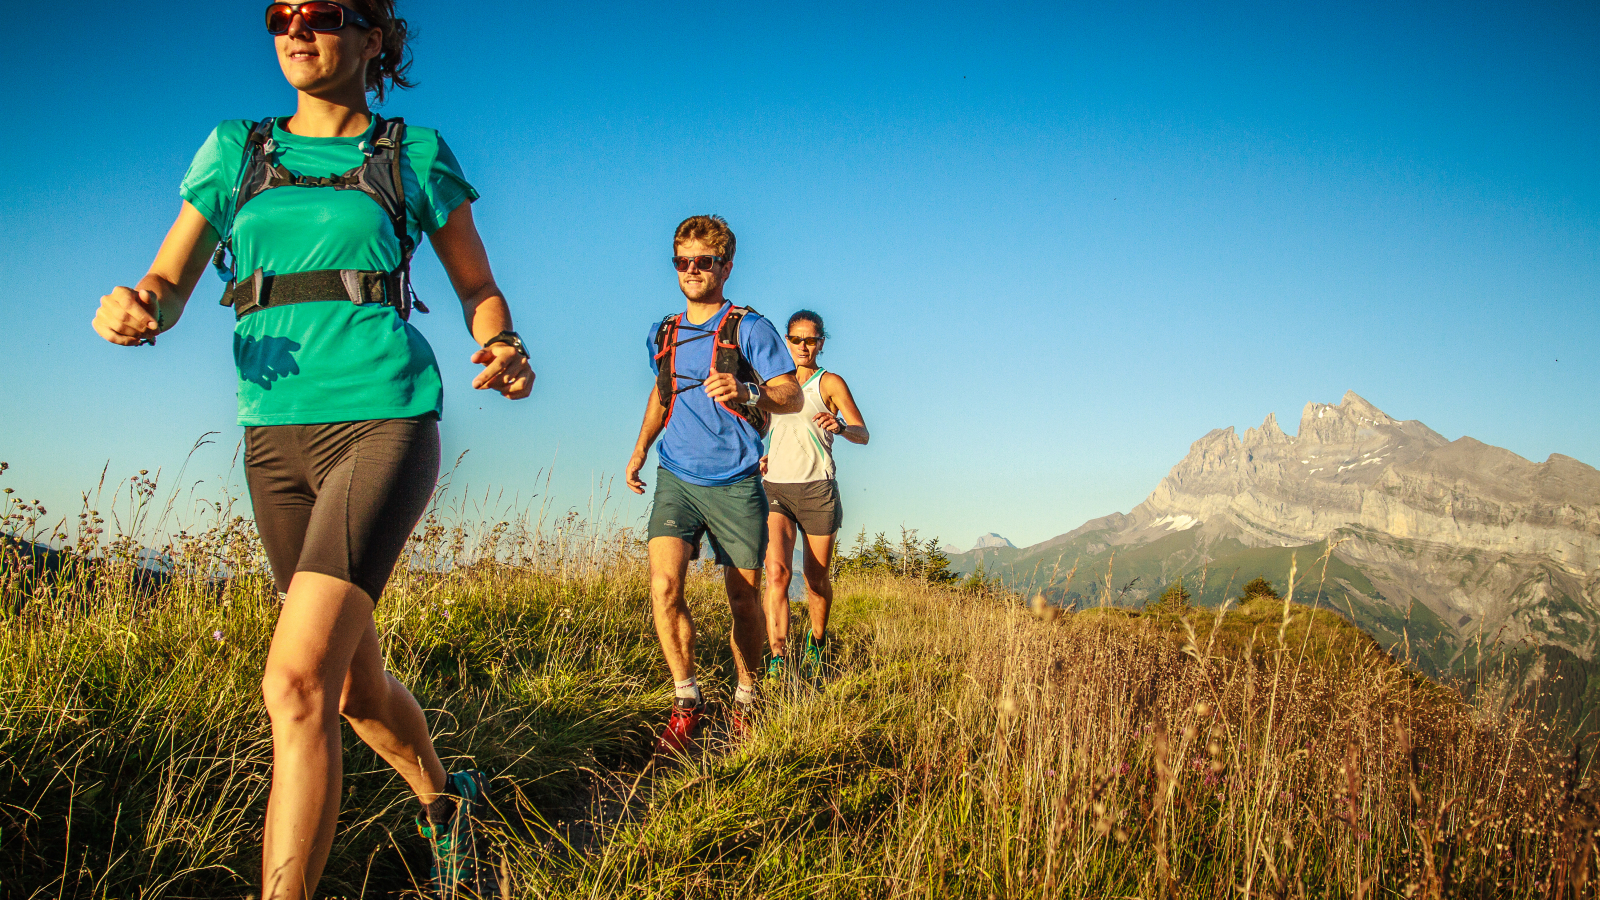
(678, 736)
(743, 719)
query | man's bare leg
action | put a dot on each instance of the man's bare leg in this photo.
(748, 627)
(780, 569)
(669, 564)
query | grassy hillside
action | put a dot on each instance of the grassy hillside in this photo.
(1130, 576)
(967, 748)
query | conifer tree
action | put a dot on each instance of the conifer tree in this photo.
(1175, 599)
(1260, 587)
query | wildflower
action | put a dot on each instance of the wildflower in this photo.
(216, 635)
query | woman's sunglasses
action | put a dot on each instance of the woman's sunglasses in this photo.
(703, 263)
(799, 341)
(319, 15)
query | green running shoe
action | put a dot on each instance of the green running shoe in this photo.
(459, 869)
(777, 668)
(814, 658)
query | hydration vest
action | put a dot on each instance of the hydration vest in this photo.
(378, 177)
(725, 357)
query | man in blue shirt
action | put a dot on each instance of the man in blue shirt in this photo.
(709, 480)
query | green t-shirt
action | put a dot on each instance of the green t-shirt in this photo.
(326, 362)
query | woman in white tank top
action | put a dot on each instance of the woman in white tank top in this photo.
(802, 495)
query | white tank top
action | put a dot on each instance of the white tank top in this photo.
(797, 449)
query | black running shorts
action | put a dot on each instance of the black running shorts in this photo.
(813, 505)
(341, 498)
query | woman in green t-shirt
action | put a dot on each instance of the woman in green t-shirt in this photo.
(340, 398)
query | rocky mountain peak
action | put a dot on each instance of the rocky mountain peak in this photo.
(1353, 465)
(1268, 433)
(1459, 539)
(991, 541)
(1346, 423)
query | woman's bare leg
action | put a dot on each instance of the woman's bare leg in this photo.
(389, 720)
(320, 627)
(780, 552)
(819, 587)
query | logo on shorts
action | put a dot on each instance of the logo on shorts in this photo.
(671, 524)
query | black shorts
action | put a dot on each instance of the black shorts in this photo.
(813, 505)
(341, 498)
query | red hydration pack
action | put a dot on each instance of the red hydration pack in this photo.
(726, 357)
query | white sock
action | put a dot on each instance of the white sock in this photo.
(745, 693)
(688, 689)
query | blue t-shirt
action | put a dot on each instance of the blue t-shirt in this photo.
(703, 443)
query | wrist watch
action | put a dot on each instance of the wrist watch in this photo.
(511, 339)
(755, 394)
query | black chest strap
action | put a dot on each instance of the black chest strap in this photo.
(261, 291)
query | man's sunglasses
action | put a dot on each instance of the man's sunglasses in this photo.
(319, 15)
(703, 263)
(799, 341)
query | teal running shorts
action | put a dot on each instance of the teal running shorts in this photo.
(734, 515)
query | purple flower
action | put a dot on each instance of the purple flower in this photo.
(217, 635)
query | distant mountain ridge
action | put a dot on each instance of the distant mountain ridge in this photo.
(1435, 540)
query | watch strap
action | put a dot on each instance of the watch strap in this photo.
(511, 339)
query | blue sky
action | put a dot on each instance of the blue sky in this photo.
(1055, 243)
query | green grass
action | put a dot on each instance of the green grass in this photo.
(966, 747)
(134, 747)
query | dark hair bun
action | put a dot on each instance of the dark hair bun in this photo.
(388, 69)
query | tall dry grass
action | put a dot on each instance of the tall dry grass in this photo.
(970, 748)
(134, 748)
(966, 747)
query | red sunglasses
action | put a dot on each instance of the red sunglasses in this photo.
(319, 15)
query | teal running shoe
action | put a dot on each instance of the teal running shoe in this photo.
(814, 658)
(460, 871)
(777, 669)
